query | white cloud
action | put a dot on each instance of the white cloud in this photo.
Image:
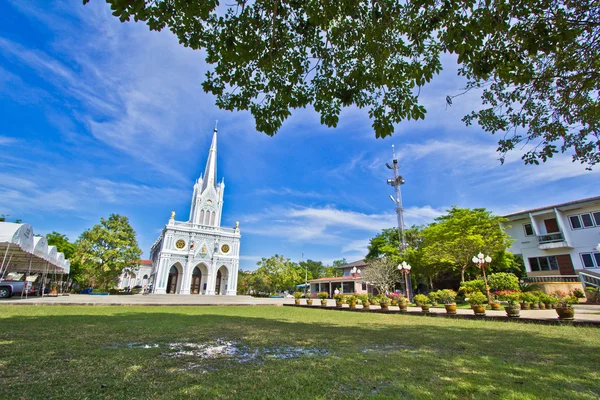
(6, 140)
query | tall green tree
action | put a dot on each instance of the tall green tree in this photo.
(535, 61)
(63, 245)
(280, 273)
(315, 268)
(454, 238)
(106, 249)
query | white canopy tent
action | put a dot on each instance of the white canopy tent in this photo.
(21, 251)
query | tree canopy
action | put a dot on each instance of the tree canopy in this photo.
(105, 249)
(63, 245)
(535, 61)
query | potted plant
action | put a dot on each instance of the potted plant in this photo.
(351, 300)
(526, 299)
(564, 306)
(592, 294)
(53, 289)
(297, 297)
(448, 297)
(494, 303)
(364, 300)
(423, 301)
(393, 299)
(578, 293)
(433, 297)
(535, 301)
(402, 303)
(513, 310)
(543, 297)
(323, 296)
(339, 300)
(477, 301)
(309, 299)
(384, 301)
(373, 299)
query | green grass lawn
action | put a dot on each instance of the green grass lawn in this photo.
(68, 352)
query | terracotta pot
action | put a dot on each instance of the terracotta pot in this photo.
(338, 304)
(425, 308)
(366, 305)
(393, 303)
(565, 313)
(495, 306)
(297, 302)
(512, 312)
(535, 306)
(324, 303)
(478, 310)
(352, 304)
(309, 302)
(525, 306)
(384, 306)
(403, 307)
(542, 306)
(450, 308)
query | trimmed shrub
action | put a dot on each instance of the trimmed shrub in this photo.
(503, 281)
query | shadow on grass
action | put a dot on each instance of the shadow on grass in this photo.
(61, 355)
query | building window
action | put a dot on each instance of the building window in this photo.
(364, 286)
(528, 229)
(543, 263)
(590, 260)
(587, 220)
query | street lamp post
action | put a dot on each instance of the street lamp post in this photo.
(404, 269)
(483, 262)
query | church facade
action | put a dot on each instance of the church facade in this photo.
(198, 256)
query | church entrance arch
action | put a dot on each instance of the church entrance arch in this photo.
(196, 279)
(222, 280)
(173, 281)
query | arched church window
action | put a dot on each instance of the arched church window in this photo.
(212, 218)
(201, 216)
(207, 217)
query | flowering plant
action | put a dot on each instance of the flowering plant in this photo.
(350, 299)
(339, 297)
(422, 300)
(447, 296)
(477, 299)
(383, 299)
(565, 300)
(363, 298)
(512, 297)
(323, 295)
(298, 295)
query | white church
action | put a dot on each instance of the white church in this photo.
(198, 256)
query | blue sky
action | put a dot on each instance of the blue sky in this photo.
(100, 117)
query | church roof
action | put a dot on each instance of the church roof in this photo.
(210, 172)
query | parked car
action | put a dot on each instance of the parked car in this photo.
(12, 288)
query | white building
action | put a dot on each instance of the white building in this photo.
(136, 276)
(198, 256)
(559, 239)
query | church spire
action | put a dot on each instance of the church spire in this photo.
(210, 172)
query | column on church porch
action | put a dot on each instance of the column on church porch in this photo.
(186, 277)
(231, 281)
(160, 285)
(211, 280)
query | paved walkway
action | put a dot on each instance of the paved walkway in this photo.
(583, 312)
(148, 300)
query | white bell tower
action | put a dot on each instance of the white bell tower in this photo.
(207, 200)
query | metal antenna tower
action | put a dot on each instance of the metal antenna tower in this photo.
(396, 183)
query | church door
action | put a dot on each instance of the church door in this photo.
(196, 279)
(218, 284)
(172, 282)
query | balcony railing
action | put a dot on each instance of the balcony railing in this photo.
(551, 238)
(551, 279)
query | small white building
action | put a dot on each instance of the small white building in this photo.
(198, 256)
(136, 276)
(558, 240)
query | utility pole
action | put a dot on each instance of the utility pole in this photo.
(396, 183)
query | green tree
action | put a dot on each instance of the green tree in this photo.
(280, 273)
(315, 268)
(537, 61)
(63, 245)
(106, 249)
(387, 242)
(456, 237)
